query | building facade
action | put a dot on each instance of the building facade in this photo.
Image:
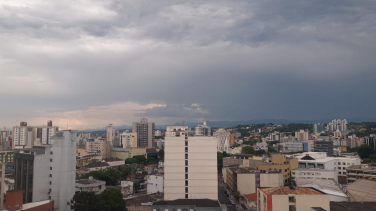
(128, 140)
(155, 184)
(281, 164)
(145, 132)
(302, 135)
(223, 140)
(26, 136)
(48, 172)
(190, 166)
(287, 199)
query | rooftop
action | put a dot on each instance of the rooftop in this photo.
(89, 181)
(351, 206)
(362, 190)
(251, 196)
(194, 202)
(138, 201)
(326, 186)
(97, 164)
(362, 168)
(288, 190)
(34, 204)
(113, 159)
(250, 170)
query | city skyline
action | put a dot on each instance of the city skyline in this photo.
(95, 63)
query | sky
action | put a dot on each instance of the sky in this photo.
(91, 63)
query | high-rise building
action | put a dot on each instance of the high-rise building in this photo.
(128, 140)
(190, 165)
(98, 147)
(223, 140)
(145, 132)
(203, 130)
(48, 172)
(302, 135)
(338, 124)
(318, 128)
(113, 136)
(324, 146)
(25, 136)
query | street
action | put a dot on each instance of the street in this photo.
(223, 199)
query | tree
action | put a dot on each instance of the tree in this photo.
(271, 149)
(365, 151)
(219, 160)
(373, 157)
(112, 200)
(152, 160)
(140, 159)
(236, 145)
(85, 201)
(248, 150)
(161, 154)
(260, 152)
(130, 161)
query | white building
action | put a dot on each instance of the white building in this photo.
(321, 161)
(90, 185)
(126, 187)
(292, 146)
(314, 173)
(190, 166)
(53, 171)
(98, 147)
(203, 130)
(155, 184)
(128, 140)
(262, 146)
(113, 136)
(158, 133)
(223, 140)
(25, 136)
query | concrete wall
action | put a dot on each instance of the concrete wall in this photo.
(303, 202)
(41, 176)
(202, 168)
(271, 180)
(63, 169)
(246, 183)
(155, 183)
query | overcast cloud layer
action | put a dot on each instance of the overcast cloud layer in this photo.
(91, 63)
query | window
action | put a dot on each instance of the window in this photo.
(186, 143)
(186, 196)
(186, 156)
(186, 149)
(50, 175)
(339, 163)
(50, 168)
(291, 199)
(51, 160)
(186, 182)
(292, 208)
(186, 189)
(186, 169)
(339, 167)
(186, 176)
(186, 162)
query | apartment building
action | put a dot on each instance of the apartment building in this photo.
(321, 161)
(292, 146)
(48, 172)
(190, 167)
(291, 199)
(223, 140)
(145, 132)
(360, 172)
(128, 140)
(26, 136)
(247, 180)
(203, 130)
(315, 173)
(281, 164)
(98, 147)
(301, 135)
(325, 146)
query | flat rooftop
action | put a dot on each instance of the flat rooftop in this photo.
(288, 190)
(89, 181)
(194, 202)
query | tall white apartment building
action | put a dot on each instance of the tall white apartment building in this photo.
(190, 165)
(128, 140)
(113, 136)
(48, 172)
(223, 140)
(25, 136)
(145, 132)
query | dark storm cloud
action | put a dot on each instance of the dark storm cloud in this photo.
(235, 60)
